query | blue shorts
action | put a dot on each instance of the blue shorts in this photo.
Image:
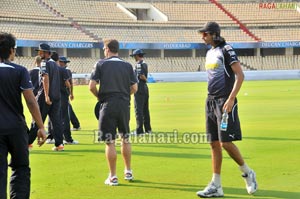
(214, 110)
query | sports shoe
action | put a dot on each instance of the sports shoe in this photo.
(73, 142)
(112, 181)
(50, 141)
(211, 191)
(58, 148)
(128, 175)
(76, 129)
(134, 133)
(250, 180)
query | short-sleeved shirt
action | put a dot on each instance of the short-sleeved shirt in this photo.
(141, 68)
(50, 68)
(34, 76)
(70, 78)
(218, 63)
(64, 76)
(115, 77)
(13, 80)
(69, 74)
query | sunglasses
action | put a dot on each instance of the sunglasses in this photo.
(205, 34)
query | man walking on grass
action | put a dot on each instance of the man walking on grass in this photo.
(225, 78)
(117, 83)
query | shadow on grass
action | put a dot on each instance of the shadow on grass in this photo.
(229, 192)
(261, 193)
(81, 152)
(161, 185)
(175, 146)
(67, 152)
(171, 155)
(272, 138)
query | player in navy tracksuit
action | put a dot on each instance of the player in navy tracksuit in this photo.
(74, 119)
(63, 61)
(66, 90)
(141, 97)
(14, 81)
(49, 97)
(34, 75)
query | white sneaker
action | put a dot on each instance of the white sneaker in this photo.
(58, 148)
(137, 134)
(73, 142)
(250, 180)
(50, 141)
(76, 129)
(112, 181)
(128, 175)
(211, 190)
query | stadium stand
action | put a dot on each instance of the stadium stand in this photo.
(104, 18)
(159, 34)
(251, 14)
(27, 9)
(268, 24)
(272, 62)
(186, 64)
(40, 31)
(278, 34)
(89, 11)
(194, 12)
(176, 64)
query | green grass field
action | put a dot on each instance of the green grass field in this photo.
(269, 113)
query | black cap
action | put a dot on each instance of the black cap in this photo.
(137, 52)
(44, 47)
(63, 59)
(210, 27)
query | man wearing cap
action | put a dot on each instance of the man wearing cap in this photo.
(225, 78)
(66, 92)
(49, 97)
(141, 97)
(63, 61)
(117, 83)
(15, 82)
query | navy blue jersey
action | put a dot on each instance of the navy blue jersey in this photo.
(13, 80)
(218, 63)
(141, 68)
(50, 68)
(115, 77)
(70, 79)
(69, 74)
(34, 76)
(64, 76)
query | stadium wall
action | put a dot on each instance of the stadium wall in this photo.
(202, 76)
(249, 76)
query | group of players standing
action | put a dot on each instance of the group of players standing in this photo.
(53, 88)
(46, 91)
